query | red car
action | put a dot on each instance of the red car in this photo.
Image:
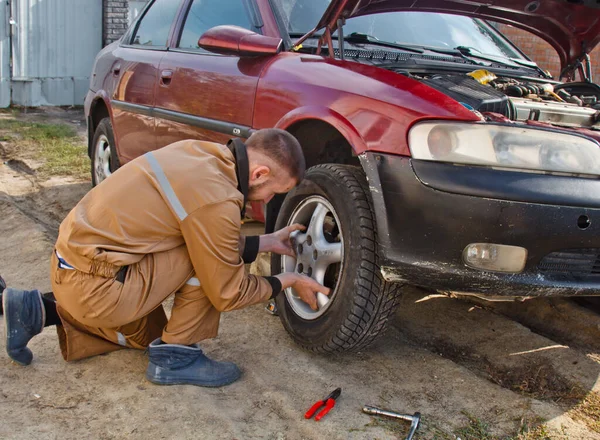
(441, 155)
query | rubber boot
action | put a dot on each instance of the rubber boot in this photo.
(172, 364)
(24, 317)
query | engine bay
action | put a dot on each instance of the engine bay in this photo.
(570, 105)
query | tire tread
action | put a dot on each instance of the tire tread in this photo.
(375, 299)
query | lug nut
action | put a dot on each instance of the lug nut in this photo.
(300, 249)
(300, 268)
(309, 240)
(315, 255)
(309, 273)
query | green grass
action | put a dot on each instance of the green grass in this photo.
(475, 430)
(57, 145)
(65, 158)
(36, 131)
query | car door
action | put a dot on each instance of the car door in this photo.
(136, 72)
(202, 95)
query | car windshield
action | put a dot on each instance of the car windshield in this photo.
(427, 29)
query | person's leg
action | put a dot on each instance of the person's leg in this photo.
(193, 317)
(49, 304)
(99, 314)
(176, 358)
(129, 314)
(95, 314)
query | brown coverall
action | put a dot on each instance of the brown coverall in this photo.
(173, 216)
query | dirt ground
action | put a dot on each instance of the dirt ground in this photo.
(473, 370)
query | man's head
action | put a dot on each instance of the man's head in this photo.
(276, 163)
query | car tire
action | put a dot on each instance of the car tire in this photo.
(104, 154)
(361, 301)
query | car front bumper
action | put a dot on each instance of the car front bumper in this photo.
(428, 212)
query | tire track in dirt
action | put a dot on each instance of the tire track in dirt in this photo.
(570, 321)
(45, 203)
(502, 351)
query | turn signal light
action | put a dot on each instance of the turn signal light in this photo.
(495, 257)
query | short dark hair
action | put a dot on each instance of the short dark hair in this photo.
(281, 147)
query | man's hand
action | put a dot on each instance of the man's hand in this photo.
(279, 241)
(305, 287)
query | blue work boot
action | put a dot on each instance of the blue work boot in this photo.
(172, 364)
(24, 317)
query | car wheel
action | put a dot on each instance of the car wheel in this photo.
(104, 154)
(339, 249)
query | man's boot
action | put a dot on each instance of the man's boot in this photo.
(24, 317)
(172, 364)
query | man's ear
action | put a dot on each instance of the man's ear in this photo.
(260, 174)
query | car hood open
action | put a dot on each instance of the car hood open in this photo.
(572, 27)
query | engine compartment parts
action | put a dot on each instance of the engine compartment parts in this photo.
(470, 91)
(566, 114)
(571, 105)
(482, 76)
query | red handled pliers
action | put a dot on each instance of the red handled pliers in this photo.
(329, 403)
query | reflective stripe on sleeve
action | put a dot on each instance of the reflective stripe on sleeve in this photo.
(166, 186)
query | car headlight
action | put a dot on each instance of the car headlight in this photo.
(502, 146)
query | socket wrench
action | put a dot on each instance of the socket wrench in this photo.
(414, 420)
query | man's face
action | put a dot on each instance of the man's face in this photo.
(264, 184)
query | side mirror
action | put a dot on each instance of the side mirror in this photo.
(234, 40)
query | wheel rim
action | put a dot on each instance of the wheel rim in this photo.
(319, 253)
(102, 159)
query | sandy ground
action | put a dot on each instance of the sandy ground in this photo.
(450, 359)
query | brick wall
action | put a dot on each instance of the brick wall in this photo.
(542, 53)
(115, 19)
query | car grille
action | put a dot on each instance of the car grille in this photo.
(573, 264)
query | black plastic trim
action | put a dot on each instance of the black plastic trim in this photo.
(254, 14)
(509, 185)
(285, 36)
(88, 121)
(133, 108)
(185, 118)
(423, 231)
(209, 124)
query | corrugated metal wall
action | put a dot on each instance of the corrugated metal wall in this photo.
(4, 54)
(54, 46)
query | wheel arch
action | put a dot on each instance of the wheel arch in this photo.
(99, 110)
(325, 136)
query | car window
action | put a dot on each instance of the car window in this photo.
(419, 28)
(154, 27)
(205, 14)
